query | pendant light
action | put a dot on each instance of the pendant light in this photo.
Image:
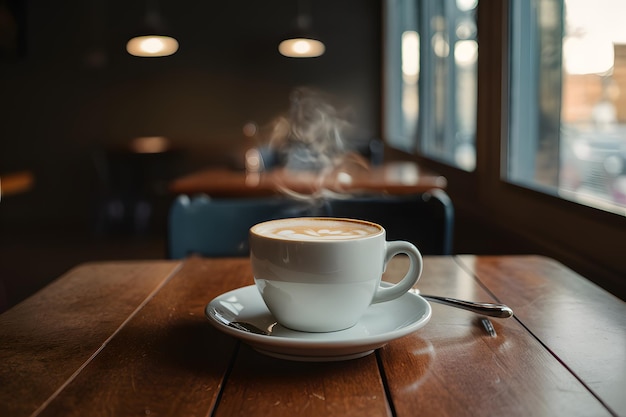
(152, 41)
(302, 43)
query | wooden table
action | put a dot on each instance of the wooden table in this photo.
(396, 178)
(130, 338)
(16, 182)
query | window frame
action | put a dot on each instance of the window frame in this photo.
(586, 239)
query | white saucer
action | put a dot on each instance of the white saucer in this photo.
(381, 324)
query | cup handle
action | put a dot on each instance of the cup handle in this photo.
(411, 277)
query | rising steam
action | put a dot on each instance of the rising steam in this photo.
(310, 143)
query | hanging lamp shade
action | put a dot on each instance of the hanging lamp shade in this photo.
(301, 47)
(302, 43)
(152, 46)
(152, 40)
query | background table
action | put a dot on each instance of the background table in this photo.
(130, 338)
(397, 178)
(16, 182)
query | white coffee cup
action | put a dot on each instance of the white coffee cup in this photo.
(321, 274)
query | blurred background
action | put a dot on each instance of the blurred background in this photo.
(73, 99)
(90, 136)
(75, 109)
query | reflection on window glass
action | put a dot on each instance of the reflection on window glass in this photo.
(573, 71)
(431, 57)
(410, 75)
(402, 74)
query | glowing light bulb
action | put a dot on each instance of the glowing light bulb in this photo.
(152, 45)
(301, 46)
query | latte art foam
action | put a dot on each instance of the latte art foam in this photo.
(316, 229)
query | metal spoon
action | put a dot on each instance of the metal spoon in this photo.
(487, 309)
(228, 320)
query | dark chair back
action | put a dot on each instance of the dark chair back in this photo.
(426, 220)
(219, 227)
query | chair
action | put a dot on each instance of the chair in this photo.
(219, 227)
(426, 220)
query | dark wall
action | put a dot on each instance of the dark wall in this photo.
(72, 90)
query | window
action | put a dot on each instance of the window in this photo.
(545, 157)
(568, 118)
(430, 78)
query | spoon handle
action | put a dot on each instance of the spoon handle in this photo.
(487, 309)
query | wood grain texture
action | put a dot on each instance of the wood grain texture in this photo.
(582, 324)
(452, 367)
(168, 360)
(264, 386)
(48, 337)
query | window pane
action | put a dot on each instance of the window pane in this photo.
(449, 90)
(431, 59)
(568, 107)
(402, 71)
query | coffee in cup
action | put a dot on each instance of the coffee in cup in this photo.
(321, 274)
